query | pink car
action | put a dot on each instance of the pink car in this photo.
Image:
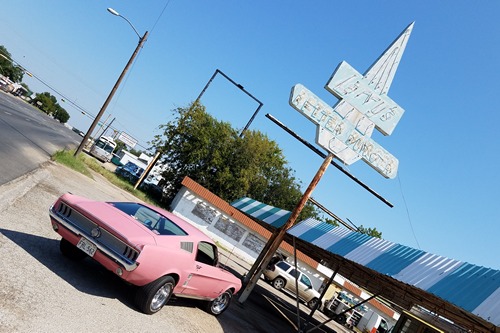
(147, 247)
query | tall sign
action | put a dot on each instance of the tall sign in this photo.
(345, 130)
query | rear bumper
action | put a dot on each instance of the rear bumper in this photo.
(107, 257)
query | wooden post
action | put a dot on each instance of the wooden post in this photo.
(275, 243)
(148, 168)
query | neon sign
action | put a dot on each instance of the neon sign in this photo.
(345, 129)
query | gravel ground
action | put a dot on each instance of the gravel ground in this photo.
(42, 291)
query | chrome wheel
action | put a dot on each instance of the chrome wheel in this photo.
(153, 296)
(218, 305)
(279, 283)
(161, 297)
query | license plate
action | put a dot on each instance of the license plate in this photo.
(86, 246)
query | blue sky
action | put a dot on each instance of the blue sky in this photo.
(447, 188)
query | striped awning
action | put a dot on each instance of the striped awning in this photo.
(475, 289)
(268, 214)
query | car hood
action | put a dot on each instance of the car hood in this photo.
(115, 221)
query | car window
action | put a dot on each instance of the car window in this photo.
(283, 265)
(154, 221)
(305, 280)
(295, 273)
(207, 254)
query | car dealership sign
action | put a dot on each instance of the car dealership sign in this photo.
(345, 130)
(127, 139)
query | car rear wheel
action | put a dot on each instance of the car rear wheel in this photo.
(341, 319)
(220, 304)
(153, 296)
(70, 251)
(279, 283)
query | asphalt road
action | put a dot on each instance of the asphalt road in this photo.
(28, 137)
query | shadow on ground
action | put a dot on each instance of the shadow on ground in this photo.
(265, 311)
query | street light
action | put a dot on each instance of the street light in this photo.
(114, 12)
(142, 40)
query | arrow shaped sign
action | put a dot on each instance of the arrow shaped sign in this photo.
(345, 130)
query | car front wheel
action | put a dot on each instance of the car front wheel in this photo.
(153, 296)
(220, 304)
(279, 283)
(312, 303)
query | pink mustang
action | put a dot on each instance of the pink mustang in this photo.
(147, 247)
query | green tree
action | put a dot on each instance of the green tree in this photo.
(120, 145)
(211, 152)
(48, 104)
(367, 231)
(7, 67)
(331, 221)
(370, 231)
(135, 152)
(61, 114)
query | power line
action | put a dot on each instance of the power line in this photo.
(66, 99)
(408, 212)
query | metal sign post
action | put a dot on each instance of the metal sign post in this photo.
(345, 130)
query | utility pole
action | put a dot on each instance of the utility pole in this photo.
(278, 237)
(142, 40)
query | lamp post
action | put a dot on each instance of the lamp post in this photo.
(142, 40)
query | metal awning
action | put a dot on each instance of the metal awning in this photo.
(467, 294)
(265, 213)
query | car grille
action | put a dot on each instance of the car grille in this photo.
(105, 238)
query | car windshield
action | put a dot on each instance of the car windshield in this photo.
(105, 146)
(154, 221)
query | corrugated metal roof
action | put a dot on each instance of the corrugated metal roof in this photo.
(473, 288)
(213, 199)
(266, 213)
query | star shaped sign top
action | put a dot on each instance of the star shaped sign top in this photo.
(345, 130)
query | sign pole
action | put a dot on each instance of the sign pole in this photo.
(275, 243)
(145, 173)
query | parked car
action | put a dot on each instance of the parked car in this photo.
(130, 171)
(283, 275)
(145, 246)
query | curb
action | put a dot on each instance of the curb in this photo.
(15, 189)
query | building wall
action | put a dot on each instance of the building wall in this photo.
(235, 236)
(216, 224)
